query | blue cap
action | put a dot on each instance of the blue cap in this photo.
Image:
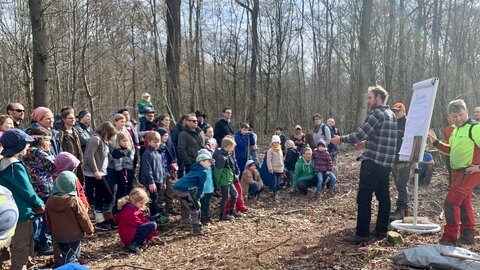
(14, 141)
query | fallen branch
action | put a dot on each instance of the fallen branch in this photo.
(131, 266)
(273, 247)
(295, 211)
(345, 195)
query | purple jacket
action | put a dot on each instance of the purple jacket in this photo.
(322, 161)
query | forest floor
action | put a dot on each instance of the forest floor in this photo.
(297, 232)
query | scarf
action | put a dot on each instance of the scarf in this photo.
(277, 148)
(316, 129)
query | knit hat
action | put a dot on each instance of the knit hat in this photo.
(14, 141)
(289, 144)
(399, 106)
(298, 127)
(249, 162)
(144, 95)
(204, 156)
(65, 161)
(321, 142)
(8, 214)
(82, 114)
(275, 138)
(162, 131)
(39, 113)
(65, 184)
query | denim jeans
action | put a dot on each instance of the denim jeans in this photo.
(226, 191)
(154, 208)
(321, 176)
(276, 182)
(70, 252)
(42, 238)
(143, 231)
(252, 190)
(373, 178)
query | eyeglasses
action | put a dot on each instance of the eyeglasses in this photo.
(19, 110)
(190, 120)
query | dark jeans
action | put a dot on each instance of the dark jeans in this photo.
(228, 190)
(401, 174)
(205, 202)
(143, 231)
(373, 178)
(43, 239)
(90, 189)
(124, 182)
(276, 182)
(70, 252)
(303, 185)
(103, 194)
(425, 176)
(253, 190)
(154, 209)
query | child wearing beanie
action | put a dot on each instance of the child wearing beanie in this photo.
(291, 158)
(67, 162)
(275, 162)
(323, 168)
(67, 217)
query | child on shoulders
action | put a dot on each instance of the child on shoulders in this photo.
(323, 168)
(67, 218)
(134, 227)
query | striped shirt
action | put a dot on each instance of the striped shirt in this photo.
(380, 132)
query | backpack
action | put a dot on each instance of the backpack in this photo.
(472, 124)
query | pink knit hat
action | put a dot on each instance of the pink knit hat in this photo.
(65, 162)
(39, 113)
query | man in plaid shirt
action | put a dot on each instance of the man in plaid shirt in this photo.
(378, 135)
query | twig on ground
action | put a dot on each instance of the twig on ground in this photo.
(346, 194)
(273, 247)
(131, 266)
(295, 211)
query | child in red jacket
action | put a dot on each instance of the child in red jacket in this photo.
(134, 227)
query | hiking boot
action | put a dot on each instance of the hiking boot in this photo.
(47, 250)
(467, 237)
(113, 225)
(446, 242)
(103, 226)
(225, 218)
(355, 239)
(399, 214)
(378, 235)
(133, 247)
(235, 214)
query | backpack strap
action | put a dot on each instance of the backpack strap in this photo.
(470, 130)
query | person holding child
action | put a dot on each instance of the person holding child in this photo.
(134, 227)
(275, 162)
(323, 167)
(252, 184)
(67, 217)
(190, 189)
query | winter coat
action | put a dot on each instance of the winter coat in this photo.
(14, 176)
(225, 168)
(122, 158)
(70, 142)
(303, 171)
(55, 146)
(152, 167)
(142, 106)
(222, 128)
(322, 161)
(249, 178)
(243, 144)
(189, 142)
(41, 167)
(291, 158)
(67, 218)
(84, 134)
(95, 155)
(275, 161)
(128, 220)
(194, 179)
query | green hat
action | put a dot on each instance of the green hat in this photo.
(65, 184)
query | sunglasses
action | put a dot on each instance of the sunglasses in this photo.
(192, 120)
(19, 110)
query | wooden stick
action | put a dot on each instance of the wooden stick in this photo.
(131, 266)
(273, 247)
(295, 211)
(459, 256)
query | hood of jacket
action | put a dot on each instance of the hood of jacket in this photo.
(7, 161)
(60, 203)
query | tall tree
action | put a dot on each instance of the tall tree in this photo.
(40, 53)
(173, 55)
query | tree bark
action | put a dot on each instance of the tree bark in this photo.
(173, 55)
(40, 54)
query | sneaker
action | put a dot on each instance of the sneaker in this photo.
(46, 251)
(103, 226)
(355, 239)
(225, 218)
(113, 225)
(133, 247)
(199, 231)
(399, 214)
(235, 214)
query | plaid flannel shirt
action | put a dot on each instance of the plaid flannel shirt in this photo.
(380, 132)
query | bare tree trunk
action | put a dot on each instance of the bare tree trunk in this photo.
(40, 53)
(173, 54)
(158, 76)
(365, 60)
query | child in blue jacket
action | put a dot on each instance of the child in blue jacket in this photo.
(190, 188)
